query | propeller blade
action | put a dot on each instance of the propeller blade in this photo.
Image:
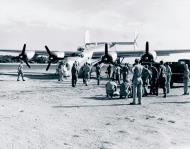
(23, 49)
(26, 61)
(106, 49)
(49, 63)
(48, 51)
(147, 47)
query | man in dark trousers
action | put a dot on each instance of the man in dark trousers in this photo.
(162, 77)
(74, 72)
(125, 71)
(109, 71)
(98, 72)
(154, 80)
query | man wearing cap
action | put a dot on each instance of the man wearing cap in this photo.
(125, 71)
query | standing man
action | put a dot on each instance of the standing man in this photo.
(60, 71)
(74, 72)
(162, 77)
(98, 72)
(137, 82)
(154, 80)
(186, 80)
(146, 76)
(86, 73)
(83, 77)
(20, 71)
(109, 71)
(125, 72)
(168, 77)
(117, 74)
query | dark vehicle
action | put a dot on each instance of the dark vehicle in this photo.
(185, 61)
(177, 69)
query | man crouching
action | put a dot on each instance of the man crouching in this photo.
(111, 88)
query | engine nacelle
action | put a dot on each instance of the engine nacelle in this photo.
(149, 57)
(60, 54)
(30, 54)
(113, 54)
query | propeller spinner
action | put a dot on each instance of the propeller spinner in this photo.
(22, 56)
(53, 58)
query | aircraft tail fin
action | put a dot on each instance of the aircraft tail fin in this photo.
(87, 37)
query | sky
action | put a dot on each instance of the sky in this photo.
(61, 24)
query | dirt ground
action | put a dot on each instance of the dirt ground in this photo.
(47, 114)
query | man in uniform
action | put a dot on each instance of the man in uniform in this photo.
(86, 73)
(109, 71)
(125, 89)
(60, 71)
(125, 72)
(162, 77)
(74, 72)
(137, 82)
(98, 72)
(20, 71)
(83, 77)
(186, 80)
(168, 77)
(111, 88)
(146, 76)
(154, 80)
(117, 74)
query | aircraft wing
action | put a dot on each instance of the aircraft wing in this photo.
(12, 52)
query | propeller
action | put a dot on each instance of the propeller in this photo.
(147, 47)
(52, 58)
(147, 57)
(106, 58)
(22, 56)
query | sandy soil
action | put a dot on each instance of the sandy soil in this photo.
(47, 114)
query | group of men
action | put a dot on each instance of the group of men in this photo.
(158, 76)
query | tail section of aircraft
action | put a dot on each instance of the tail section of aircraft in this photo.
(87, 37)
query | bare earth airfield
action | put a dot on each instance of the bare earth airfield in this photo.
(42, 113)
